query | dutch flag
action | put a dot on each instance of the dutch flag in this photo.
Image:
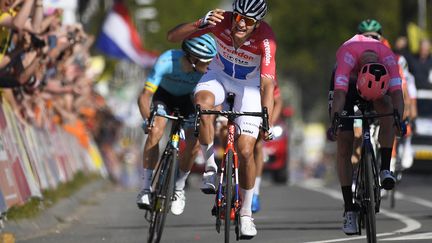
(120, 39)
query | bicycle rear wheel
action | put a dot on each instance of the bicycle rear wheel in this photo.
(163, 193)
(229, 161)
(369, 196)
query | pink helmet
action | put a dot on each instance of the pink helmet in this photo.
(372, 81)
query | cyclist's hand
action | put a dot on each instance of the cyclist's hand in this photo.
(269, 135)
(145, 126)
(331, 134)
(213, 17)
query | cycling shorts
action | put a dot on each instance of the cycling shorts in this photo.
(166, 101)
(247, 98)
(351, 99)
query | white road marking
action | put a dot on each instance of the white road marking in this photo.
(421, 236)
(414, 199)
(411, 224)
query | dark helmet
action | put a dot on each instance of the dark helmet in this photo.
(255, 9)
(202, 47)
(369, 25)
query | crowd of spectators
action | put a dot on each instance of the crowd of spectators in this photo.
(45, 73)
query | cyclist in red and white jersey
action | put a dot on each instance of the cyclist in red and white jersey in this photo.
(364, 55)
(244, 65)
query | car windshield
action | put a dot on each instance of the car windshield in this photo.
(424, 107)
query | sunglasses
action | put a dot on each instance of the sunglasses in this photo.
(248, 21)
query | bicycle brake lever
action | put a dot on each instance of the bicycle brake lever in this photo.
(197, 120)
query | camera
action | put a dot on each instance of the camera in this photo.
(36, 42)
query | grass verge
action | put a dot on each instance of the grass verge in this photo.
(36, 205)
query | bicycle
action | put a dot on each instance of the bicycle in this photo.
(227, 200)
(367, 188)
(164, 176)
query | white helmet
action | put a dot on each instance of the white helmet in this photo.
(255, 9)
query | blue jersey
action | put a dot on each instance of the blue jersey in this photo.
(168, 74)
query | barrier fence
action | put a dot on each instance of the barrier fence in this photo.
(34, 159)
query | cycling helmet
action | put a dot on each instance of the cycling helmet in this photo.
(202, 47)
(373, 81)
(255, 9)
(369, 25)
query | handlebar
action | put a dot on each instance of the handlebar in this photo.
(174, 117)
(337, 118)
(231, 115)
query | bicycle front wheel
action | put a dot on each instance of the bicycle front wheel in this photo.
(162, 199)
(369, 196)
(229, 161)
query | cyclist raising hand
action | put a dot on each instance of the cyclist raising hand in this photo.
(170, 85)
(244, 65)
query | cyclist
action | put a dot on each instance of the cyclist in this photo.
(170, 85)
(258, 151)
(365, 53)
(408, 88)
(245, 65)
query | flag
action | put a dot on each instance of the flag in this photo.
(120, 39)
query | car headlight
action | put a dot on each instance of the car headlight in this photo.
(277, 131)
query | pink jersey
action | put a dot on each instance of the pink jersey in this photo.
(349, 53)
(254, 59)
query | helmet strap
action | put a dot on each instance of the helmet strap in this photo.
(193, 64)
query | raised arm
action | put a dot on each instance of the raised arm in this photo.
(180, 32)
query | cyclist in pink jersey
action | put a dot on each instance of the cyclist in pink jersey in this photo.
(244, 65)
(361, 51)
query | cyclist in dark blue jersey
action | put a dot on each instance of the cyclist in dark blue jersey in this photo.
(170, 85)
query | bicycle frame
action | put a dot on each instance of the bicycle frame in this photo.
(164, 177)
(229, 163)
(367, 190)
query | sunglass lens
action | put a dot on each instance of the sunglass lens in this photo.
(248, 21)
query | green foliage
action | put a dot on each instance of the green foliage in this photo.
(172, 13)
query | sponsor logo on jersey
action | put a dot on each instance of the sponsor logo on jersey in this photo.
(267, 52)
(227, 51)
(341, 81)
(389, 61)
(349, 59)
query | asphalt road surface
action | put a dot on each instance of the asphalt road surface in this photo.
(308, 211)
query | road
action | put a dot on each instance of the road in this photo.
(307, 211)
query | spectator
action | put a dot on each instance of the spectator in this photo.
(420, 65)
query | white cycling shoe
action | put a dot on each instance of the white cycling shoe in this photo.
(350, 223)
(178, 203)
(247, 228)
(209, 182)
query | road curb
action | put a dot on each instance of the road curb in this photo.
(49, 219)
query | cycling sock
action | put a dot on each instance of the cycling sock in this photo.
(208, 153)
(147, 178)
(385, 158)
(246, 208)
(348, 198)
(181, 180)
(257, 185)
